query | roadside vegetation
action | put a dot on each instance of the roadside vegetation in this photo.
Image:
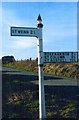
(63, 69)
(20, 99)
(57, 69)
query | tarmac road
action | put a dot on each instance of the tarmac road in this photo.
(48, 80)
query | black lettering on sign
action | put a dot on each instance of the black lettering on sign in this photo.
(31, 32)
(19, 31)
(15, 31)
(27, 32)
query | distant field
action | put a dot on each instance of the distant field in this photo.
(57, 69)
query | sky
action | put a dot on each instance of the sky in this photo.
(39, 0)
(59, 30)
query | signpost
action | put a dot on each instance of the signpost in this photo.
(43, 57)
(42, 113)
(54, 57)
(35, 32)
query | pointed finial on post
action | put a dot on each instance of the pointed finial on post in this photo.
(39, 20)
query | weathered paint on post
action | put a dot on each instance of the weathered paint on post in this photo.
(42, 113)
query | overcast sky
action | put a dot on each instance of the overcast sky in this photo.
(59, 31)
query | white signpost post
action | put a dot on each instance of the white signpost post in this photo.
(35, 32)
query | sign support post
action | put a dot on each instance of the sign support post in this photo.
(42, 113)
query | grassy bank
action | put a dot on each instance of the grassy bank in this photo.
(63, 69)
(60, 69)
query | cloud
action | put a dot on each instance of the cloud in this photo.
(22, 43)
(10, 19)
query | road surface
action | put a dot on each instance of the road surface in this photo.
(48, 80)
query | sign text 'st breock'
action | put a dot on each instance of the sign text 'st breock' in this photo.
(24, 31)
